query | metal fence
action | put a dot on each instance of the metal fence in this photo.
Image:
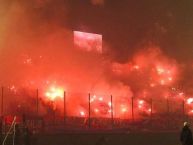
(162, 114)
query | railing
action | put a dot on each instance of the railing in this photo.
(81, 111)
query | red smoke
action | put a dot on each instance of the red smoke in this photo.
(39, 53)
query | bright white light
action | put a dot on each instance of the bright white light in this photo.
(100, 98)
(96, 110)
(136, 67)
(123, 109)
(141, 102)
(170, 79)
(160, 70)
(189, 100)
(54, 93)
(82, 113)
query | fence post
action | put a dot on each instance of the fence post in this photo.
(2, 100)
(183, 109)
(37, 102)
(132, 108)
(168, 111)
(151, 111)
(64, 107)
(89, 123)
(112, 118)
(168, 107)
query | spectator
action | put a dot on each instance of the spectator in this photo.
(17, 138)
(27, 136)
(1, 129)
(101, 141)
(186, 135)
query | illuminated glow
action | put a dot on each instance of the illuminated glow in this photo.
(92, 100)
(189, 100)
(152, 73)
(123, 110)
(190, 112)
(53, 89)
(82, 113)
(139, 106)
(100, 98)
(170, 79)
(173, 89)
(166, 74)
(152, 85)
(54, 93)
(141, 102)
(109, 103)
(96, 110)
(162, 82)
(12, 89)
(169, 72)
(181, 94)
(160, 70)
(48, 94)
(27, 60)
(136, 67)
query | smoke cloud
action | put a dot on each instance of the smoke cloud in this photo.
(37, 51)
(98, 2)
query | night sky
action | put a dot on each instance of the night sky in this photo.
(147, 46)
(126, 25)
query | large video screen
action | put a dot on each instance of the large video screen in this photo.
(88, 41)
